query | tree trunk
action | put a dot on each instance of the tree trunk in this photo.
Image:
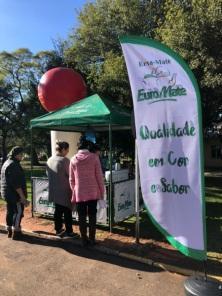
(4, 151)
(34, 156)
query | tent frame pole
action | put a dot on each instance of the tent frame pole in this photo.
(110, 181)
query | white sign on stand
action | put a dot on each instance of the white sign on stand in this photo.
(40, 197)
(42, 206)
(124, 200)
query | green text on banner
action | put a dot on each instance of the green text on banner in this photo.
(169, 135)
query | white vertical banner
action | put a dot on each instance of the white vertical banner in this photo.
(168, 123)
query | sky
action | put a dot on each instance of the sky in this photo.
(33, 24)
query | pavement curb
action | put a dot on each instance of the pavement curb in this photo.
(109, 251)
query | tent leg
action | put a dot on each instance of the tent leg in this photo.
(137, 209)
(110, 181)
(31, 173)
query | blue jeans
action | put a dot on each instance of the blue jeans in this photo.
(14, 214)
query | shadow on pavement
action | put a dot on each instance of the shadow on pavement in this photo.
(166, 256)
(90, 252)
(153, 252)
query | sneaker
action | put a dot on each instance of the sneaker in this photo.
(70, 235)
(60, 232)
(92, 242)
(84, 242)
(17, 235)
(9, 231)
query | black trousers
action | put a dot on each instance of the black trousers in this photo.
(61, 211)
(87, 208)
(14, 214)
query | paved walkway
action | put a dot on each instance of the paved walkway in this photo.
(153, 254)
(40, 266)
(122, 244)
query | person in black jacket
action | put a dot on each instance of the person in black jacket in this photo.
(13, 191)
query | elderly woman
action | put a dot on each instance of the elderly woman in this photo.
(13, 190)
(59, 189)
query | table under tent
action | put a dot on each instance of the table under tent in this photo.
(101, 115)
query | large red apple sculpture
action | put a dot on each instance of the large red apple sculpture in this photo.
(60, 87)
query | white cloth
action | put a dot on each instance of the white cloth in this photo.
(102, 204)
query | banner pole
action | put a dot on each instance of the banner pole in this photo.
(137, 195)
(205, 269)
(202, 285)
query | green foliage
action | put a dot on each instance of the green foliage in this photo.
(6, 117)
(190, 27)
(95, 49)
(104, 21)
(20, 72)
(110, 80)
(194, 30)
(47, 60)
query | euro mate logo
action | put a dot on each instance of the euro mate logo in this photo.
(165, 94)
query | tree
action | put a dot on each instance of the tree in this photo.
(96, 50)
(194, 30)
(20, 72)
(7, 122)
(40, 138)
(12, 71)
(17, 70)
(49, 59)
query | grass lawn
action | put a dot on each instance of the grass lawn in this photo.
(214, 213)
(38, 171)
(213, 196)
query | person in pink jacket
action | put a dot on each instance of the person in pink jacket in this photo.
(86, 182)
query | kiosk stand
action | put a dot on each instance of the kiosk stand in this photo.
(100, 115)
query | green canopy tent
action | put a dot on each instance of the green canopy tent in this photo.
(91, 112)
